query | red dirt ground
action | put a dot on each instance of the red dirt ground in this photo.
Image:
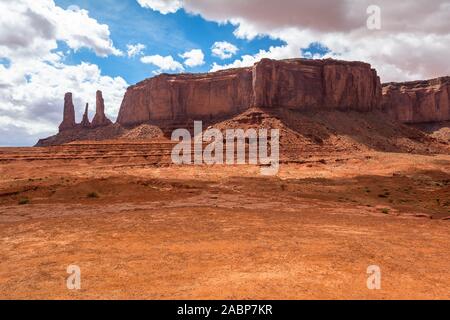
(141, 228)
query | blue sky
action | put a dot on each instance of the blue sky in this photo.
(171, 34)
(50, 47)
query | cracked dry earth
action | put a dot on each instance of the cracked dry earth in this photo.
(141, 230)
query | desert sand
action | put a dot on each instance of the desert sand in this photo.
(140, 228)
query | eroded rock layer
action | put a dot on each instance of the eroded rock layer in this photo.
(316, 84)
(176, 97)
(418, 101)
(294, 84)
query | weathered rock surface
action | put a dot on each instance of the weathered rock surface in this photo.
(69, 114)
(418, 101)
(294, 84)
(316, 84)
(85, 123)
(159, 105)
(176, 97)
(100, 119)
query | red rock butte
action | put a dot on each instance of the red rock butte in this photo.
(418, 101)
(69, 123)
(293, 84)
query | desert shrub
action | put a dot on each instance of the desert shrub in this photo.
(386, 194)
(24, 201)
(93, 195)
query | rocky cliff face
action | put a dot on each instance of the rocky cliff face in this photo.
(418, 101)
(316, 84)
(100, 119)
(173, 97)
(69, 114)
(294, 84)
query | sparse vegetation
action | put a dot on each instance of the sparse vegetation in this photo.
(385, 210)
(93, 195)
(24, 201)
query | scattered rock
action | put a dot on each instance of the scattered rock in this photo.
(419, 215)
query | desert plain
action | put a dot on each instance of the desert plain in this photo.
(141, 228)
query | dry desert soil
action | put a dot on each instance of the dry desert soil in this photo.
(140, 228)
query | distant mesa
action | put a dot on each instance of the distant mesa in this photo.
(292, 84)
(297, 84)
(418, 101)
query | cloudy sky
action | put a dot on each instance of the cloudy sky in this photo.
(49, 47)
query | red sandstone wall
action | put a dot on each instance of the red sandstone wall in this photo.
(316, 84)
(171, 97)
(418, 101)
(295, 83)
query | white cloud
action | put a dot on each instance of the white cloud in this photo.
(262, 16)
(34, 27)
(163, 63)
(134, 50)
(193, 58)
(413, 43)
(33, 82)
(163, 6)
(224, 50)
(32, 93)
(245, 61)
(78, 30)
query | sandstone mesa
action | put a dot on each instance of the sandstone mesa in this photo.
(294, 84)
(418, 101)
